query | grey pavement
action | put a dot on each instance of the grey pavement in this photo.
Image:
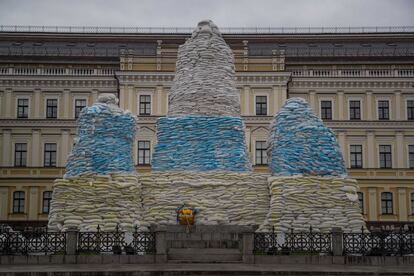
(209, 269)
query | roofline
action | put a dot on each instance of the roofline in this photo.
(189, 30)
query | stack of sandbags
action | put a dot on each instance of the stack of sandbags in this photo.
(204, 81)
(105, 140)
(86, 202)
(300, 144)
(201, 143)
(221, 198)
(321, 202)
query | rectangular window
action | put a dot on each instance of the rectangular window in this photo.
(326, 110)
(355, 156)
(412, 203)
(144, 105)
(22, 108)
(411, 156)
(50, 155)
(79, 105)
(261, 156)
(144, 152)
(20, 154)
(18, 202)
(386, 203)
(361, 201)
(261, 105)
(385, 156)
(355, 110)
(383, 110)
(47, 197)
(51, 108)
(410, 110)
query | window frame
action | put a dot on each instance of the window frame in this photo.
(47, 200)
(262, 153)
(352, 108)
(410, 154)
(361, 201)
(351, 152)
(264, 107)
(54, 108)
(382, 113)
(321, 108)
(384, 154)
(50, 165)
(146, 151)
(145, 111)
(27, 108)
(407, 117)
(389, 204)
(75, 106)
(20, 202)
(412, 203)
(21, 155)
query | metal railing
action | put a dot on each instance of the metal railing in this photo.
(98, 242)
(32, 242)
(384, 243)
(224, 30)
(115, 242)
(272, 243)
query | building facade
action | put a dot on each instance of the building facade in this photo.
(360, 83)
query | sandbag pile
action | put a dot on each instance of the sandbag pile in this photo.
(204, 81)
(300, 144)
(221, 198)
(105, 140)
(86, 202)
(201, 143)
(321, 202)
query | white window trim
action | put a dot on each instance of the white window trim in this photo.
(389, 107)
(50, 97)
(332, 100)
(29, 109)
(349, 154)
(139, 94)
(393, 203)
(361, 105)
(408, 154)
(406, 106)
(151, 151)
(74, 103)
(47, 141)
(265, 94)
(392, 155)
(28, 150)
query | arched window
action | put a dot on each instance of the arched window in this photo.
(361, 201)
(386, 203)
(18, 202)
(47, 197)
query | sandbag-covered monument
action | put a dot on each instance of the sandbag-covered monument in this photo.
(201, 160)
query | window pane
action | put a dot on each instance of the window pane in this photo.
(144, 153)
(144, 105)
(261, 105)
(326, 110)
(261, 155)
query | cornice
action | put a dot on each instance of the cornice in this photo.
(322, 82)
(41, 81)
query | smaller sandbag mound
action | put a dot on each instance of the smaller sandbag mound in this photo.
(105, 140)
(300, 144)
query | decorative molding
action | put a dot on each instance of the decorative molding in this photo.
(45, 82)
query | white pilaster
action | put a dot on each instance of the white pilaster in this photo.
(37, 103)
(66, 103)
(402, 204)
(36, 149)
(312, 102)
(342, 144)
(159, 93)
(4, 203)
(399, 143)
(397, 105)
(10, 113)
(246, 103)
(371, 149)
(370, 113)
(372, 201)
(7, 148)
(341, 104)
(64, 146)
(33, 203)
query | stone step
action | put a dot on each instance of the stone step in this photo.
(204, 255)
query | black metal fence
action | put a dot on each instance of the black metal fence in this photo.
(364, 243)
(272, 243)
(116, 242)
(52, 243)
(384, 243)
(32, 242)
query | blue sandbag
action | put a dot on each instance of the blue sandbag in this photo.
(201, 143)
(300, 144)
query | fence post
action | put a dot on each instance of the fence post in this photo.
(248, 247)
(71, 240)
(160, 247)
(337, 241)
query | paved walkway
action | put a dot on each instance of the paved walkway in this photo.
(208, 269)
